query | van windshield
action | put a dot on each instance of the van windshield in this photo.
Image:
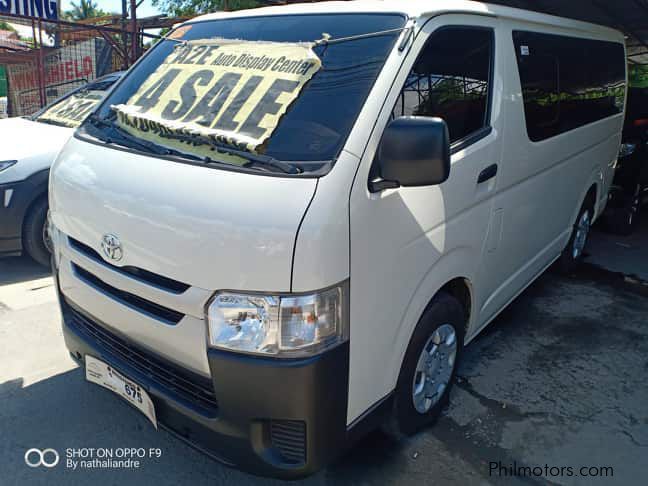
(313, 129)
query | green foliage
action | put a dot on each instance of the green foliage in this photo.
(638, 75)
(191, 8)
(5, 26)
(85, 9)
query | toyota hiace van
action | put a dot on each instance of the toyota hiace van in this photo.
(284, 225)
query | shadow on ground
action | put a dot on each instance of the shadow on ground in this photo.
(21, 269)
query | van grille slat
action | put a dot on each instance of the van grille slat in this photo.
(169, 316)
(193, 388)
(136, 273)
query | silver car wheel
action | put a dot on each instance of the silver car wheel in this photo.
(434, 368)
(582, 232)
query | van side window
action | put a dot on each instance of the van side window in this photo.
(568, 82)
(451, 80)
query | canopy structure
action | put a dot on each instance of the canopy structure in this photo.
(629, 16)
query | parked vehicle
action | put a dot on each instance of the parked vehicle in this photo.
(30, 145)
(282, 227)
(629, 191)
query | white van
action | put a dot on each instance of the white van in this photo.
(283, 225)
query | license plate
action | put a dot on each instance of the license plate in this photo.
(105, 375)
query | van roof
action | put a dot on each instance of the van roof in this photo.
(416, 9)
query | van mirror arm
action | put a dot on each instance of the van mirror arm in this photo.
(379, 185)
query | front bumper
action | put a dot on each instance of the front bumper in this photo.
(270, 417)
(15, 200)
(15, 197)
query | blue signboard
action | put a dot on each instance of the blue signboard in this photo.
(44, 9)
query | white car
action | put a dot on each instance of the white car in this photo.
(29, 146)
(283, 225)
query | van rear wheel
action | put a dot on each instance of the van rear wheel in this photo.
(429, 367)
(572, 255)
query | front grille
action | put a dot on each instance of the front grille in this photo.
(168, 316)
(194, 390)
(140, 274)
(288, 438)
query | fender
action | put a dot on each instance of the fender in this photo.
(595, 179)
(458, 263)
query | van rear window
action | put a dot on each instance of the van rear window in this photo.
(568, 82)
(317, 123)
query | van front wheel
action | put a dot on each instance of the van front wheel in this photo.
(429, 367)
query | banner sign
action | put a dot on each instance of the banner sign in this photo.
(43, 9)
(67, 68)
(219, 91)
(73, 110)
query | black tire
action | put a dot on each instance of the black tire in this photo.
(405, 419)
(569, 260)
(624, 220)
(34, 232)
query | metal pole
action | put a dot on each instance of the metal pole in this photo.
(38, 67)
(124, 34)
(133, 6)
(41, 57)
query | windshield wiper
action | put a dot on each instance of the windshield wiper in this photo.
(253, 160)
(133, 141)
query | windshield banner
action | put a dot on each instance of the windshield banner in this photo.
(218, 92)
(72, 110)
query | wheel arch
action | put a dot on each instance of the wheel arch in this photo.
(451, 274)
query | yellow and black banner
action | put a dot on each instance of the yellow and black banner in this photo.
(73, 110)
(218, 91)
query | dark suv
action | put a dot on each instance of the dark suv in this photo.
(630, 188)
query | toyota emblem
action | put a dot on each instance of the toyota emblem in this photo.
(112, 247)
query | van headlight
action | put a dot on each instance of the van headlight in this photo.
(283, 325)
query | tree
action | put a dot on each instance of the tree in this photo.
(85, 9)
(191, 8)
(6, 26)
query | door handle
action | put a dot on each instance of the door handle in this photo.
(487, 174)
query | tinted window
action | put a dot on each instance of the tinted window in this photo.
(450, 80)
(318, 122)
(568, 82)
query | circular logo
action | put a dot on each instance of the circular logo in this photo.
(112, 247)
(36, 457)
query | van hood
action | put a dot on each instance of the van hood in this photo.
(206, 227)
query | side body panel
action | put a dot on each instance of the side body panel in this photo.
(407, 242)
(541, 189)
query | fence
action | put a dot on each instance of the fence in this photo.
(60, 56)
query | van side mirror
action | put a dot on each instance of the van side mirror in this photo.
(414, 151)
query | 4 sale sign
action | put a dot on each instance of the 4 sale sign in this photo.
(219, 92)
